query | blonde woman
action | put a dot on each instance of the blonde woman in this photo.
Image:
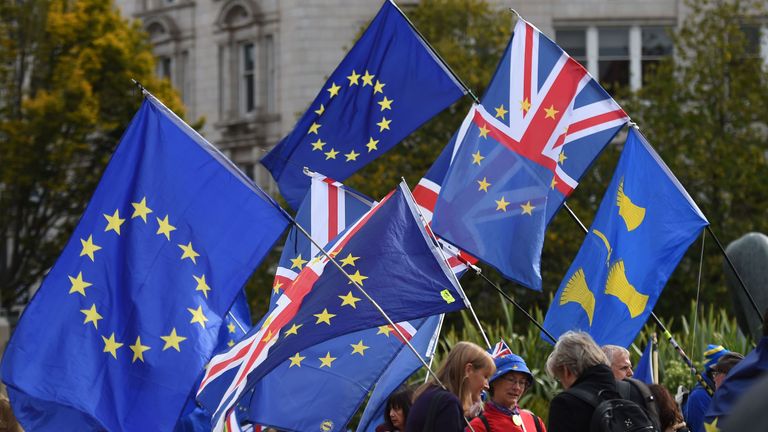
(465, 374)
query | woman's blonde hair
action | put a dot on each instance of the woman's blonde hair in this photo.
(452, 375)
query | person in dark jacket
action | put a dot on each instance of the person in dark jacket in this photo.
(465, 375)
(577, 361)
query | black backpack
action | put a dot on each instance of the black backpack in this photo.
(614, 412)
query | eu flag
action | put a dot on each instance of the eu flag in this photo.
(389, 83)
(390, 255)
(131, 311)
(644, 369)
(643, 227)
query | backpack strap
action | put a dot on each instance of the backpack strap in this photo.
(649, 400)
(584, 396)
(624, 389)
(485, 422)
(434, 404)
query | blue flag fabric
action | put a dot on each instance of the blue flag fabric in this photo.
(236, 324)
(644, 369)
(643, 227)
(738, 381)
(326, 211)
(398, 371)
(131, 311)
(389, 83)
(389, 247)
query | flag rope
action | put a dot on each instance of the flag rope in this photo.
(698, 291)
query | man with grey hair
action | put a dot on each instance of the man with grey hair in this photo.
(618, 357)
(582, 368)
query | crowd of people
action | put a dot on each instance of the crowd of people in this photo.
(473, 391)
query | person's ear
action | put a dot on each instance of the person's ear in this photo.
(467, 369)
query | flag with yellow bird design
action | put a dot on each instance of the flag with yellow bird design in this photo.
(643, 227)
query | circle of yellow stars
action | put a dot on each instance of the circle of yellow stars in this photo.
(384, 103)
(80, 286)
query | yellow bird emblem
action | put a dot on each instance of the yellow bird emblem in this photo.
(577, 291)
(617, 285)
(632, 214)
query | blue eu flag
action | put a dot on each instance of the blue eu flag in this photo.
(387, 86)
(130, 313)
(643, 227)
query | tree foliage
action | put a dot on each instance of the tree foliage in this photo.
(65, 99)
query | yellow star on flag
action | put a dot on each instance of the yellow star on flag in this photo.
(198, 316)
(231, 327)
(327, 360)
(562, 157)
(294, 330)
(525, 105)
(138, 350)
(189, 252)
(231, 343)
(141, 210)
(314, 128)
(296, 360)
(349, 260)
(349, 300)
(164, 227)
(385, 330)
(385, 103)
(318, 145)
(91, 316)
(551, 111)
(352, 156)
(298, 262)
(334, 90)
(711, 427)
(78, 284)
(331, 154)
(268, 336)
(501, 204)
(484, 131)
(202, 285)
(353, 78)
(88, 247)
(372, 144)
(379, 87)
(527, 208)
(276, 288)
(368, 79)
(357, 278)
(553, 183)
(113, 222)
(477, 157)
(501, 112)
(483, 184)
(359, 348)
(111, 346)
(383, 124)
(320, 110)
(173, 340)
(324, 317)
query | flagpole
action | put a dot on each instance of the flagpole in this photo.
(666, 332)
(373, 302)
(733, 269)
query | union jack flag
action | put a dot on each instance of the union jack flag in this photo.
(500, 350)
(537, 82)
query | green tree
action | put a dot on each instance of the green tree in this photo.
(705, 113)
(66, 97)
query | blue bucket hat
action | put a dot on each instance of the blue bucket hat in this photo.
(511, 363)
(712, 354)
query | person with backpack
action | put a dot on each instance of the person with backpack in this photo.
(592, 399)
(507, 386)
(464, 373)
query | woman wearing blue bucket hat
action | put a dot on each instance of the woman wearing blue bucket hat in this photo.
(507, 386)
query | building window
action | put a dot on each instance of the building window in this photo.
(164, 67)
(657, 44)
(247, 77)
(574, 42)
(613, 54)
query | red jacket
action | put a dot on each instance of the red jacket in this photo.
(500, 422)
